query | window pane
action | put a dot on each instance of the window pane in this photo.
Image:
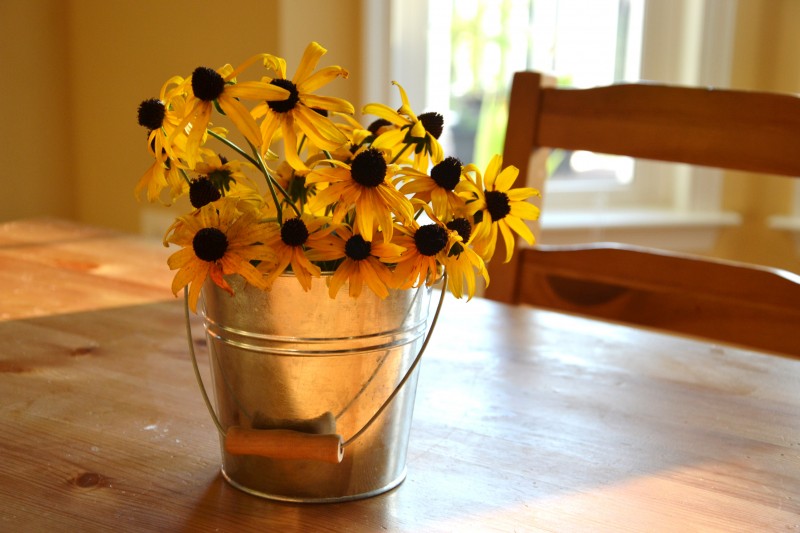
(584, 42)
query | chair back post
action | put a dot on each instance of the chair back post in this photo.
(522, 150)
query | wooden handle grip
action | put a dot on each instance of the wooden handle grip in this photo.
(284, 444)
(323, 424)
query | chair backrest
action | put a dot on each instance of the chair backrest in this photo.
(728, 302)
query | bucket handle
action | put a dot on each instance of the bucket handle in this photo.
(289, 443)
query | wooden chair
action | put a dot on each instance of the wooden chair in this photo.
(733, 303)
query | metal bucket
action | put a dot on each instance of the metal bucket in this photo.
(309, 370)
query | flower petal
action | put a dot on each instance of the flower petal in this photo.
(311, 56)
(270, 124)
(522, 193)
(508, 239)
(258, 90)
(241, 117)
(320, 78)
(329, 103)
(320, 130)
(385, 112)
(491, 172)
(520, 228)
(524, 210)
(506, 178)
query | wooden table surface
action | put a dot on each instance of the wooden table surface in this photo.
(525, 420)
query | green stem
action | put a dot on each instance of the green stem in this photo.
(400, 153)
(285, 193)
(233, 146)
(258, 162)
(273, 184)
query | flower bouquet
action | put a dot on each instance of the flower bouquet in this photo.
(300, 203)
(377, 205)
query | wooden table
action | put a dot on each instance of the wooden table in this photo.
(526, 420)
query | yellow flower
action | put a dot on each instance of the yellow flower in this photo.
(426, 248)
(298, 110)
(438, 188)
(217, 240)
(462, 262)
(366, 184)
(434, 246)
(208, 86)
(420, 132)
(161, 174)
(289, 242)
(220, 177)
(499, 206)
(161, 117)
(363, 261)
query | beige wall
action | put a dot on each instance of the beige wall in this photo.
(74, 72)
(767, 58)
(36, 163)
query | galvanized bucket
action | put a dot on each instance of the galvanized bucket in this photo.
(314, 396)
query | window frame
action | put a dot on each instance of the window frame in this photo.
(679, 206)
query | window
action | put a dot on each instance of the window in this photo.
(470, 49)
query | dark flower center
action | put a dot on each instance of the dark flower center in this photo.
(430, 239)
(447, 174)
(202, 192)
(152, 113)
(368, 168)
(356, 248)
(209, 244)
(282, 106)
(221, 179)
(497, 204)
(462, 227)
(207, 84)
(433, 123)
(294, 232)
(378, 124)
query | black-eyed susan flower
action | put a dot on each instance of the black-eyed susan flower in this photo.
(300, 111)
(207, 86)
(412, 134)
(216, 241)
(499, 207)
(221, 172)
(289, 241)
(151, 113)
(161, 116)
(462, 262)
(163, 173)
(426, 248)
(366, 184)
(218, 177)
(362, 261)
(437, 188)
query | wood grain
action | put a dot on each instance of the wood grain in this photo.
(526, 420)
